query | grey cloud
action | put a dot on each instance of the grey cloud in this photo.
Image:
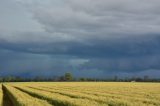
(105, 18)
(92, 19)
(15, 17)
(88, 37)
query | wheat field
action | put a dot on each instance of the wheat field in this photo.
(80, 94)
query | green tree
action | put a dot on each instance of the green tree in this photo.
(82, 79)
(68, 76)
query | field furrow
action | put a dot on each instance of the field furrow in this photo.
(58, 99)
(100, 99)
(20, 98)
(138, 94)
(92, 93)
(103, 97)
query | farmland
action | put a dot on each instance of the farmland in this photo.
(80, 94)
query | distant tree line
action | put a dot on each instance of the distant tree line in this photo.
(69, 77)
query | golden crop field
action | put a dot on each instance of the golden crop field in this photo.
(80, 94)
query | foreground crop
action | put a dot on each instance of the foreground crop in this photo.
(80, 94)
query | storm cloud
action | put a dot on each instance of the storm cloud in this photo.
(86, 37)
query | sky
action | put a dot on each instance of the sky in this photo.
(89, 38)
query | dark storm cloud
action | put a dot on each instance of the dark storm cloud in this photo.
(88, 37)
(94, 48)
(130, 65)
(128, 55)
(28, 65)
